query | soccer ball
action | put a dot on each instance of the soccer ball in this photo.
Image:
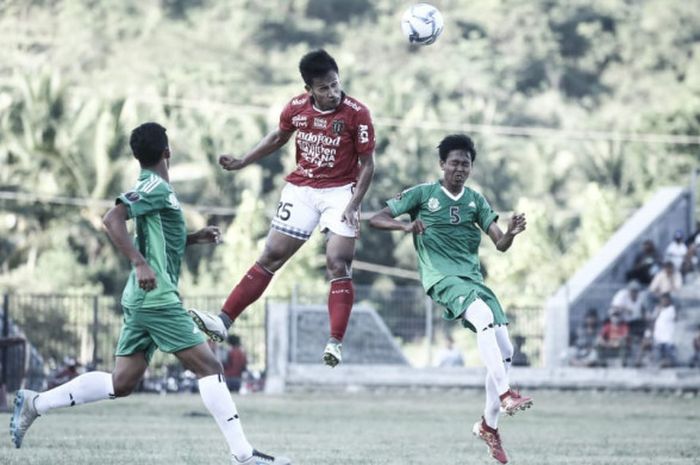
(422, 24)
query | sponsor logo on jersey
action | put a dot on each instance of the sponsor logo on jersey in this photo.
(433, 204)
(320, 123)
(338, 125)
(299, 121)
(318, 149)
(472, 204)
(363, 133)
(351, 104)
(299, 101)
(132, 196)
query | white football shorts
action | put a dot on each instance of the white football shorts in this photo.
(302, 208)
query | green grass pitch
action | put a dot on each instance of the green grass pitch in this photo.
(386, 427)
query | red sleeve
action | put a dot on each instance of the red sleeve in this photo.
(364, 139)
(286, 119)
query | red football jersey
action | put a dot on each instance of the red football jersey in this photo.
(328, 143)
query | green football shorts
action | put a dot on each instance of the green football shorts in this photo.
(169, 329)
(456, 294)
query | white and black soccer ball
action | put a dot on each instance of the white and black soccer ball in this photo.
(422, 24)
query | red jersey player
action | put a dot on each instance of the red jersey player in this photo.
(335, 164)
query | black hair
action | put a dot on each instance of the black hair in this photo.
(316, 64)
(148, 142)
(456, 142)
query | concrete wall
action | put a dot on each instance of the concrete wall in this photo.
(597, 281)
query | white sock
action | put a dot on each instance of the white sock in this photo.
(481, 317)
(88, 387)
(218, 401)
(493, 403)
(504, 344)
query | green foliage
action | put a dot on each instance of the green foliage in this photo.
(75, 76)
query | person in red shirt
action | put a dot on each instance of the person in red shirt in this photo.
(334, 168)
(235, 364)
(613, 338)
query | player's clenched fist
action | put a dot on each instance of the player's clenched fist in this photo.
(230, 163)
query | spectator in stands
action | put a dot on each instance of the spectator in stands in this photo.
(666, 281)
(694, 238)
(629, 303)
(646, 264)
(690, 261)
(585, 338)
(676, 250)
(695, 359)
(450, 356)
(613, 340)
(235, 364)
(664, 328)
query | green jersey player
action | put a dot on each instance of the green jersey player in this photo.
(447, 219)
(153, 313)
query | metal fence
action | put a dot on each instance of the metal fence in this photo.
(417, 324)
(40, 331)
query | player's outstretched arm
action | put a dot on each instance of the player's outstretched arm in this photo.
(503, 241)
(206, 235)
(115, 223)
(271, 142)
(383, 220)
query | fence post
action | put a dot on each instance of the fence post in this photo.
(428, 330)
(5, 333)
(95, 323)
(691, 204)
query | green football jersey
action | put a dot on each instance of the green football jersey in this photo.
(160, 236)
(453, 224)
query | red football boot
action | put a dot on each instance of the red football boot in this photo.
(492, 439)
(512, 401)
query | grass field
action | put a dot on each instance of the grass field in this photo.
(388, 427)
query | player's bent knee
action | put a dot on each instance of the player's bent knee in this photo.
(338, 268)
(479, 315)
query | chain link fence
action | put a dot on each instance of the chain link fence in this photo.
(40, 331)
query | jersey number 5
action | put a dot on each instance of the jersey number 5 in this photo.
(454, 215)
(283, 211)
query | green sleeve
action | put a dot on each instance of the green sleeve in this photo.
(485, 214)
(408, 201)
(139, 202)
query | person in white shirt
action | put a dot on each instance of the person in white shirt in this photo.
(450, 356)
(664, 328)
(629, 303)
(676, 250)
(666, 281)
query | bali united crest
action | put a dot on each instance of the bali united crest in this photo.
(433, 204)
(338, 126)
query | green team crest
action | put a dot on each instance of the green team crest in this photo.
(433, 204)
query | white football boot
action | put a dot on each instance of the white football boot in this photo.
(332, 355)
(23, 416)
(211, 325)
(258, 458)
